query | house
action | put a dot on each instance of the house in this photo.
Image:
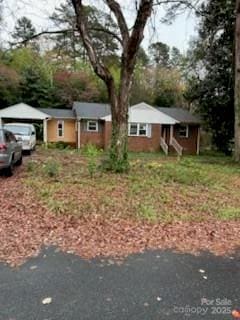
(150, 128)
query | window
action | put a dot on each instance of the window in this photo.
(60, 129)
(142, 129)
(139, 129)
(183, 131)
(133, 129)
(92, 125)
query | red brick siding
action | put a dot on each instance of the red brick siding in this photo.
(189, 144)
(138, 144)
(96, 138)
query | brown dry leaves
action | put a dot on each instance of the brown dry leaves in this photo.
(25, 226)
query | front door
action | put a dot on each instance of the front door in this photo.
(166, 133)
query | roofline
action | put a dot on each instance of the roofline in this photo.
(70, 118)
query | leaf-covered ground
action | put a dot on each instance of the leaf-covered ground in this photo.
(62, 198)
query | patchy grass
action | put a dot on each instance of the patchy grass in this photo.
(157, 188)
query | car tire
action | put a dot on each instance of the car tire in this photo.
(19, 162)
(9, 170)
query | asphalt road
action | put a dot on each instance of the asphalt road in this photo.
(150, 286)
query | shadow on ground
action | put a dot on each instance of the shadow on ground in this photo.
(154, 285)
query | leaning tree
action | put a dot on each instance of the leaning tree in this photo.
(129, 38)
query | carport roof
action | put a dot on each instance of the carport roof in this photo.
(23, 111)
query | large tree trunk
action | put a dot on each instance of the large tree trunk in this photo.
(237, 84)
(119, 97)
(119, 109)
(119, 142)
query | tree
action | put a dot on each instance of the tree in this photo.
(75, 86)
(160, 53)
(9, 86)
(69, 43)
(237, 83)
(176, 59)
(119, 96)
(210, 75)
(24, 31)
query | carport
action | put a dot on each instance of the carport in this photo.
(21, 112)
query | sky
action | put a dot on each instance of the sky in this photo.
(177, 34)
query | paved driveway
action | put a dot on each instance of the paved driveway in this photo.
(150, 286)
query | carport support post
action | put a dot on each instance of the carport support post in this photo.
(1, 123)
(171, 134)
(45, 139)
(79, 133)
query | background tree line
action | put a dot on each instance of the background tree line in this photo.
(201, 80)
(58, 76)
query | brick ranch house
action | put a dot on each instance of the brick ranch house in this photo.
(150, 128)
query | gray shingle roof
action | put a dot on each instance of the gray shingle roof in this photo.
(180, 115)
(87, 110)
(58, 113)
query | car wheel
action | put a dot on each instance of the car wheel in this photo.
(19, 162)
(9, 170)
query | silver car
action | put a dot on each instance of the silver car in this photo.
(10, 152)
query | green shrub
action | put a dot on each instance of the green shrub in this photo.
(61, 145)
(92, 153)
(90, 150)
(51, 168)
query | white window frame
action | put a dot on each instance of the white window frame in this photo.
(62, 123)
(93, 121)
(148, 130)
(187, 131)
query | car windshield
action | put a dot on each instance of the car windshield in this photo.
(21, 130)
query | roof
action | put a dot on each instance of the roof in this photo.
(145, 113)
(22, 111)
(85, 110)
(179, 114)
(58, 113)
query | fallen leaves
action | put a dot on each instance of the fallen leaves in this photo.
(25, 226)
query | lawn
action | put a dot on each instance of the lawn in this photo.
(157, 188)
(64, 198)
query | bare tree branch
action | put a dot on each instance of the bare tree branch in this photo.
(137, 34)
(116, 9)
(65, 31)
(100, 69)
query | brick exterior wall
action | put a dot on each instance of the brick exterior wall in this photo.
(96, 138)
(102, 138)
(145, 144)
(137, 144)
(189, 144)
